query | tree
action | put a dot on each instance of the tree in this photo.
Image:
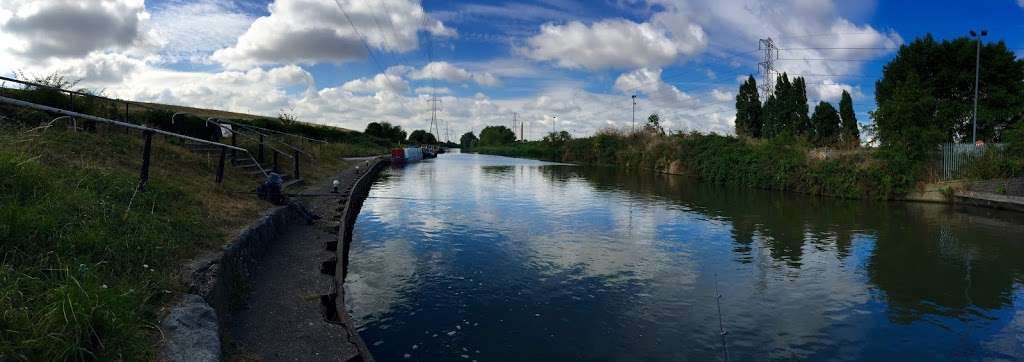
(654, 124)
(825, 124)
(468, 140)
(748, 110)
(496, 136)
(926, 92)
(374, 129)
(422, 137)
(850, 133)
(557, 138)
(785, 111)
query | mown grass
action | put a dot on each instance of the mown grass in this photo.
(88, 263)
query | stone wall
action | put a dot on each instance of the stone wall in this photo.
(216, 282)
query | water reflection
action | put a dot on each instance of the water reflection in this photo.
(525, 260)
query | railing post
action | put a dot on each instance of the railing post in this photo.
(146, 151)
(220, 164)
(295, 160)
(71, 102)
(234, 142)
(126, 129)
(261, 148)
(275, 161)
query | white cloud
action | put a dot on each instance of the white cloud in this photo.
(432, 90)
(315, 31)
(722, 95)
(613, 43)
(39, 30)
(801, 28)
(448, 72)
(191, 31)
(380, 82)
(648, 81)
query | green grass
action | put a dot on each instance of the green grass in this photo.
(88, 263)
(86, 260)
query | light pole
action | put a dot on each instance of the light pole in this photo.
(977, 67)
(554, 120)
(634, 113)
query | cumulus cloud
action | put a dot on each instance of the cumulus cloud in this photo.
(722, 95)
(314, 31)
(380, 82)
(802, 29)
(176, 25)
(613, 43)
(70, 28)
(648, 81)
(451, 73)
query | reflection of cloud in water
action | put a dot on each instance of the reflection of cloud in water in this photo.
(374, 288)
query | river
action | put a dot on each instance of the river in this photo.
(499, 259)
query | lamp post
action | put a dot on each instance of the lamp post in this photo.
(634, 113)
(977, 67)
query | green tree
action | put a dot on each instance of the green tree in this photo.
(850, 133)
(468, 140)
(374, 129)
(825, 124)
(654, 124)
(557, 138)
(785, 111)
(926, 92)
(496, 135)
(748, 110)
(422, 137)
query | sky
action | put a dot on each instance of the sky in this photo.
(568, 65)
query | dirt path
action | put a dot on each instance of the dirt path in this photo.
(281, 319)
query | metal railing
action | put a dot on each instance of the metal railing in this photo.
(147, 133)
(956, 158)
(261, 142)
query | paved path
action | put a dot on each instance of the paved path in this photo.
(281, 319)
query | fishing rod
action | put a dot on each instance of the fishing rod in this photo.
(721, 326)
(340, 195)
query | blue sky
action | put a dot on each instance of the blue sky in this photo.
(349, 62)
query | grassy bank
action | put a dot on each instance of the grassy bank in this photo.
(88, 263)
(780, 164)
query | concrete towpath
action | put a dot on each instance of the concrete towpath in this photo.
(281, 318)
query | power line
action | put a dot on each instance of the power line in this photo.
(843, 48)
(369, 51)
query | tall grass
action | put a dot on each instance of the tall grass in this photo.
(780, 164)
(86, 262)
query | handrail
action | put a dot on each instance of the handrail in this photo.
(40, 107)
(213, 120)
(136, 104)
(218, 122)
(275, 131)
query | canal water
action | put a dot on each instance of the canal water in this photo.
(498, 259)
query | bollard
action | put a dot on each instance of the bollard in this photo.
(220, 164)
(146, 151)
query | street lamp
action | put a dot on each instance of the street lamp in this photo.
(634, 113)
(977, 67)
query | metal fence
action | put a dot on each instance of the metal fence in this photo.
(956, 158)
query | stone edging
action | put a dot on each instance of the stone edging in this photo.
(216, 281)
(333, 304)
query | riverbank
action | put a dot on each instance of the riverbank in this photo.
(90, 264)
(777, 164)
